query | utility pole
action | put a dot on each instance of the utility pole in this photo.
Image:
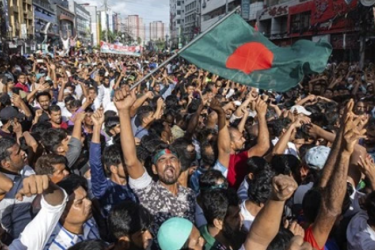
(106, 20)
(226, 7)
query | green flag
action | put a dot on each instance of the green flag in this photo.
(235, 51)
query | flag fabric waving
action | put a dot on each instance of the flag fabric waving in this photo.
(235, 51)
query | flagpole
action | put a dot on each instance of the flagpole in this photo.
(186, 46)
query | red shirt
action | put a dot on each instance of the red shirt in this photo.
(309, 237)
(63, 125)
(21, 86)
(237, 169)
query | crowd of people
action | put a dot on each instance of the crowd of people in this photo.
(184, 160)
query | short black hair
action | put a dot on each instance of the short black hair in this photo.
(280, 124)
(5, 144)
(52, 138)
(142, 112)
(42, 94)
(286, 164)
(112, 156)
(72, 182)
(311, 204)
(127, 218)
(256, 164)
(260, 187)
(44, 164)
(281, 240)
(54, 108)
(207, 181)
(215, 204)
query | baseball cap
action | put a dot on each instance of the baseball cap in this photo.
(300, 110)
(173, 233)
(8, 113)
(316, 157)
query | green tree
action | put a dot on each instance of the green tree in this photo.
(111, 35)
(139, 40)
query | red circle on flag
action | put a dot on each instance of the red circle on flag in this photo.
(250, 57)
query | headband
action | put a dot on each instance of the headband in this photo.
(160, 153)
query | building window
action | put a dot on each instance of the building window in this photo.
(300, 22)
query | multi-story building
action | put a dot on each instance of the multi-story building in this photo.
(82, 21)
(176, 23)
(135, 28)
(157, 31)
(45, 22)
(94, 24)
(192, 18)
(65, 17)
(213, 11)
(21, 25)
(284, 22)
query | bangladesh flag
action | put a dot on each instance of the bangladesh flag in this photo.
(235, 51)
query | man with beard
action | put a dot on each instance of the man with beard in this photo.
(238, 158)
(360, 108)
(165, 198)
(44, 100)
(56, 118)
(106, 90)
(224, 220)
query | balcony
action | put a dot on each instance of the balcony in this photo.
(29, 1)
(29, 15)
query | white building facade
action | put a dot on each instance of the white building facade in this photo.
(176, 22)
(135, 28)
(192, 19)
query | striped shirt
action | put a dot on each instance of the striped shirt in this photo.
(62, 239)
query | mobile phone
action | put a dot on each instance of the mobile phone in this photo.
(40, 61)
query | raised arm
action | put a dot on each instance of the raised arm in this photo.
(284, 139)
(98, 177)
(54, 199)
(333, 194)
(223, 137)
(241, 125)
(124, 101)
(267, 223)
(263, 143)
(140, 101)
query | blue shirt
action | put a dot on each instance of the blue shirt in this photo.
(106, 191)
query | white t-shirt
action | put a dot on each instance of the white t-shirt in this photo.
(290, 149)
(65, 114)
(248, 218)
(242, 190)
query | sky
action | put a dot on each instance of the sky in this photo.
(149, 10)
